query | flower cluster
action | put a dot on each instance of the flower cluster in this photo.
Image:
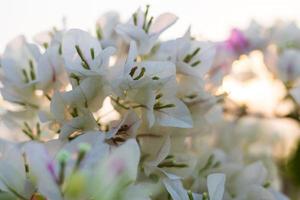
(120, 114)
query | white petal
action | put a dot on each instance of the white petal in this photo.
(162, 153)
(38, 159)
(132, 54)
(215, 185)
(175, 189)
(50, 71)
(163, 22)
(125, 159)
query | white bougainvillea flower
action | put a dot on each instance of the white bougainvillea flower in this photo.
(79, 102)
(170, 112)
(19, 63)
(162, 161)
(145, 30)
(71, 118)
(160, 107)
(157, 161)
(152, 85)
(66, 117)
(137, 74)
(84, 55)
(13, 174)
(105, 29)
(191, 57)
(193, 60)
(89, 94)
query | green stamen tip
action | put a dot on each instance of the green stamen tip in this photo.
(204, 196)
(92, 53)
(208, 164)
(63, 156)
(159, 106)
(149, 24)
(154, 177)
(84, 147)
(145, 16)
(99, 33)
(267, 184)
(158, 96)
(45, 45)
(60, 50)
(155, 78)
(172, 164)
(74, 76)
(85, 64)
(189, 57)
(31, 66)
(141, 74)
(132, 71)
(134, 19)
(74, 112)
(169, 157)
(192, 96)
(30, 135)
(25, 76)
(194, 64)
(190, 194)
(38, 129)
(195, 52)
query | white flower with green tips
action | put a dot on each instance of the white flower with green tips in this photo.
(84, 55)
(19, 76)
(145, 30)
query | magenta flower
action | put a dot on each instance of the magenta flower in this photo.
(237, 41)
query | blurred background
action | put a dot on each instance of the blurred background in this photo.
(212, 19)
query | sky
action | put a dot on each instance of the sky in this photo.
(211, 19)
